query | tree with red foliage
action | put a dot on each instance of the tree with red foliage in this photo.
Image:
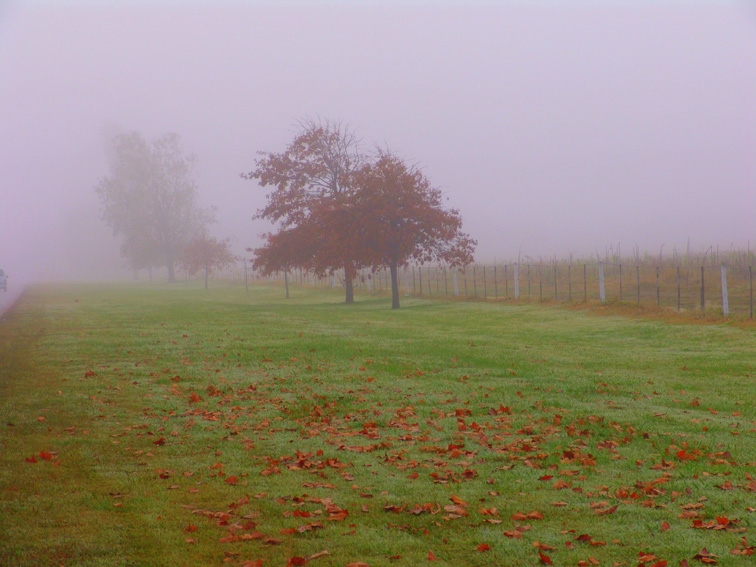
(208, 254)
(313, 192)
(400, 218)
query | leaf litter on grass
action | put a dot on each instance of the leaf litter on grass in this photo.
(292, 448)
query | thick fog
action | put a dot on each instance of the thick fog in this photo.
(555, 127)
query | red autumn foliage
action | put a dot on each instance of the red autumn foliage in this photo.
(338, 210)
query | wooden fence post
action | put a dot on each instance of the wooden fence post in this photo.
(516, 281)
(496, 288)
(620, 276)
(585, 283)
(703, 287)
(637, 280)
(556, 294)
(602, 293)
(750, 280)
(658, 291)
(725, 306)
(678, 288)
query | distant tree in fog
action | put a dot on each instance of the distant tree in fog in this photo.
(149, 199)
(208, 254)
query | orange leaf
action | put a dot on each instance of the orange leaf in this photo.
(232, 480)
(483, 547)
(357, 564)
(45, 455)
(545, 559)
(664, 526)
(296, 560)
(431, 556)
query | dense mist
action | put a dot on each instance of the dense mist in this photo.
(556, 128)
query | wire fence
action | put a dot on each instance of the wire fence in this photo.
(725, 288)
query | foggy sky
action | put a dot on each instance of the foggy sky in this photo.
(555, 127)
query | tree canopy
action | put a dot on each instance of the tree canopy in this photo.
(313, 190)
(149, 199)
(336, 208)
(401, 218)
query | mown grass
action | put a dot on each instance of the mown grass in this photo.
(178, 426)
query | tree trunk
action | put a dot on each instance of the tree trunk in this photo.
(206, 275)
(394, 285)
(349, 274)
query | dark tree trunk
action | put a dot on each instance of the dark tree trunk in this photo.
(349, 274)
(394, 285)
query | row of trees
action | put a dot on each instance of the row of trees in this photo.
(334, 208)
(338, 209)
(149, 200)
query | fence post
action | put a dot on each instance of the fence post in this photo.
(456, 285)
(540, 284)
(556, 294)
(703, 287)
(620, 276)
(517, 281)
(420, 278)
(475, 284)
(637, 279)
(446, 287)
(506, 283)
(602, 293)
(496, 287)
(725, 306)
(585, 283)
(750, 280)
(678, 288)
(528, 281)
(569, 281)
(658, 291)
(485, 286)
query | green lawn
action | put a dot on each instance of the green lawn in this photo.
(170, 425)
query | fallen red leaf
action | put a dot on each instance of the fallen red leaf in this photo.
(232, 480)
(431, 556)
(544, 559)
(483, 547)
(296, 560)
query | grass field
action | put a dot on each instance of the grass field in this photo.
(169, 425)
